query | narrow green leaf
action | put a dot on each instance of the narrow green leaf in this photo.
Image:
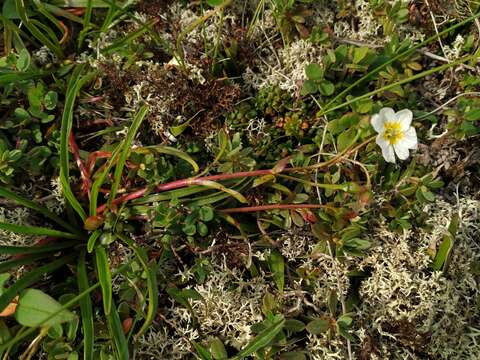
(116, 332)
(172, 151)
(217, 186)
(38, 231)
(201, 351)
(277, 266)
(318, 326)
(105, 277)
(7, 194)
(92, 240)
(442, 252)
(52, 44)
(73, 89)
(263, 339)
(132, 131)
(100, 180)
(9, 265)
(25, 250)
(85, 309)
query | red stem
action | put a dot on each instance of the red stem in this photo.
(272, 207)
(83, 170)
(92, 158)
(183, 183)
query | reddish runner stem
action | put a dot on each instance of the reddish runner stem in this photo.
(84, 173)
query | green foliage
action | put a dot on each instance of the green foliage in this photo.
(257, 203)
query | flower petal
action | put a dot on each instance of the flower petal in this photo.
(387, 113)
(410, 138)
(387, 149)
(377, 122)
(401, 150)
(404, 117)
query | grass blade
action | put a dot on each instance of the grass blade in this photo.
(86, 23)
(92, 240)
(12, 264)
(30, 279)
(100, 180)
(218, 186)
(171, 151)
(105, 277)
(85, 309)
(116, 331)
(26, 250)
(54, 46)
(132, 131)
(67, 119)
(34, 230)
(264, 338)
(130, 37)
(7, 194)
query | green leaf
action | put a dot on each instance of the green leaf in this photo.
(215, 2)
(132, 131)
(217, 349)
(189, 229)
(218, 186)
(50, 100)
(263, 339)
(326, 88)
(309, 87)
(314, 72)
(36, 207)
(73, 88)
(33, 230)
(206, 213)
(473, 115)
(9, 10)
(116, 333)
(318, 326)
(442, 252)
(201, 351)
(359, 54)
(24, 60)
(22, 114)
(345, 139)
(294, 325)
(277, 266)
(85, 309)
(174, 152)
(34, 307)
(105, 277)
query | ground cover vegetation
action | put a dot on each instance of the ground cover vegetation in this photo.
(225, 179)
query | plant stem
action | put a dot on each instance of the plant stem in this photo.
(81, 166)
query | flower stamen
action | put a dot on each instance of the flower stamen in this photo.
(393, 132)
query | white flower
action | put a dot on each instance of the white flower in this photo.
(395, 135)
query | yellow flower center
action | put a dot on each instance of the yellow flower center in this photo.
(393, 132)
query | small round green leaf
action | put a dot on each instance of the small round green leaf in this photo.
(326, 87)
(314, 72)
(24, 60)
